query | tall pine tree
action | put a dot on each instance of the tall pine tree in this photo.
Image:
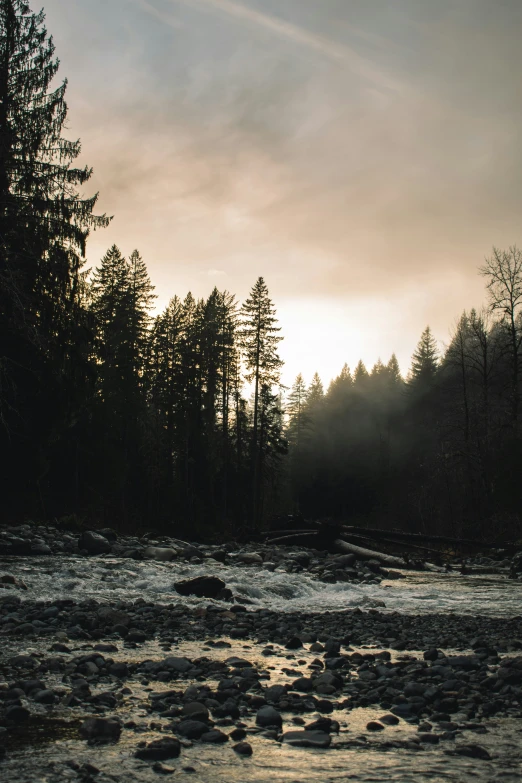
(260, 337)
(44, 224)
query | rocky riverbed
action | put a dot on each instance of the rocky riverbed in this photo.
(105, 680)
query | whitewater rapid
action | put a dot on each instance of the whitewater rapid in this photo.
(111, 579)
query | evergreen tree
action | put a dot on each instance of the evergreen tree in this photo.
(340, 388)
(141, 300)
(259, 336)
(360, 376)
(315, 396)
(295, 405)
(111, 306)
(424, 363)
(44, 224)
(394, 371)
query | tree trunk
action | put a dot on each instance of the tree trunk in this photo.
(368, 554)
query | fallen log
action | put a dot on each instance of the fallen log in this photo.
(400, 535)
(305, 538)
(406, 544)
(368, 554)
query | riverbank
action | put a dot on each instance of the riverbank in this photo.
(265, 684)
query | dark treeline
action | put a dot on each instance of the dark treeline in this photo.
(109, 415)
(441, 450)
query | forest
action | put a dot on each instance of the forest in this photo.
(114, 414)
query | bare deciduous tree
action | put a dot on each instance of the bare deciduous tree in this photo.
(503, 272)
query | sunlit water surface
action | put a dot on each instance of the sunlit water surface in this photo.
(355, 754)
(417, 593)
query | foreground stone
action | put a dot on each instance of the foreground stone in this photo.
(93, 543)
(164, 554)
(268, 716)
(201, 586)
(160, 750)
(307, 739)
(100, 730)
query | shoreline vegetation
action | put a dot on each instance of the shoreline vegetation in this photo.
(179, 422)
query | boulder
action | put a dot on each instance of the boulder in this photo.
(180, 665)
(192, 729)
(100, 730)
(268, 716)
(40, 548)
(250, 558)
(374, 725)
(214, 736)
(108, 533)
(243, 748)
(93, 543)
(10, 598)
(473, 752)
(17, 714)
(160, 750)
(307, 739)
(113, 616)
(196, 711)
(200, 586)
(160, 553)
(343, 561)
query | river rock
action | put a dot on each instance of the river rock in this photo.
(17, 714)
(473, 751)
(94, 543)
(191, 729)
(250, 558)
(180, 665)
(40, 548)
(268, 716)
(243, 748)
(108, 533)
(100, 730)
(10, 598)
(113, 616)
(160, 553)
(307, 739)
(214, 736)
(45, 696)
(160, 750)
(196, 711)
(200, 586)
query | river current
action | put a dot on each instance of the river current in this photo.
(352, 757)
(104, 579)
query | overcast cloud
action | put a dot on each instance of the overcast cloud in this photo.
(363, 156)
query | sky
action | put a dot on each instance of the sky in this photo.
(363, 156)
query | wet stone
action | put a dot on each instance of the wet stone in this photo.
(307, 739)
(160, 750)
(162, 769)
(196, 711)
(243, 749)
(268, 716)
(100, 730)
(191, 729)
(214, 736)
(17, 714)
(473, 751)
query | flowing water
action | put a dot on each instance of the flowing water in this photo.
(355, 755)
(418, 592)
